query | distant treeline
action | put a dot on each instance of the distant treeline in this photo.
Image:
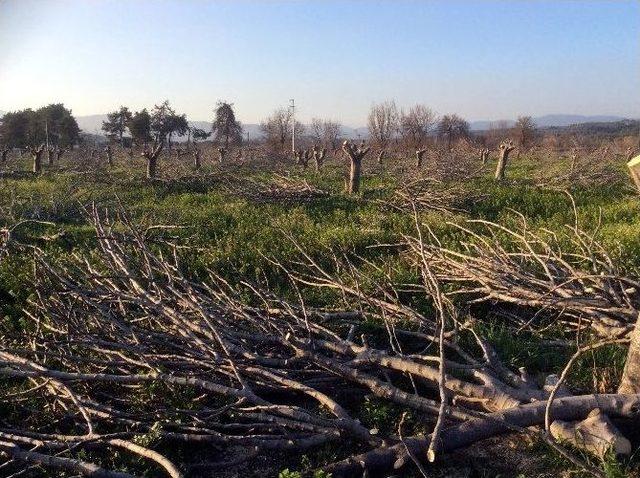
(602, 130)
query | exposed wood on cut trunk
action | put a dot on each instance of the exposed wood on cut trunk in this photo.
(221, 154)
(385, 459)
(151, 155)
(630, 382)
(355, 154)
(574, 159)
(596, 434)
(318, 156)
(419, 156)
(484, 156)
(196, 157)
(381, 155)
(505, 148)
(109, 153)
(302, 157)
(36, 154)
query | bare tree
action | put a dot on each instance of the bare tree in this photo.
(355, 154)
(331, 134)
(383, 125)
(317, 129)
(416, 124)
(278, 128)
(451, 128)
(326, 132)
(524, 130)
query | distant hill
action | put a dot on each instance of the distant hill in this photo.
(604, 129)
(546, 121)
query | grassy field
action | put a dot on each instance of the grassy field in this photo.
(225, 226)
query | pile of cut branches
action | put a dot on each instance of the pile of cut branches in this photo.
(278, 189)
(430, 194)
(125, 352)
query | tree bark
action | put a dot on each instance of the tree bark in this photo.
(355, 154)
(596, 434)
(354, 175)
(196, 158)
(152, 159)
(385, 459)
(630, 382)
(36, 154)
(505, 149)
(109, 155)
(419, 156)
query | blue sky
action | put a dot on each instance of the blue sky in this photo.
(479, 58)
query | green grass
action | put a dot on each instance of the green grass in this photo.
(233, 235)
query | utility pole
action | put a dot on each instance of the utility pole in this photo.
(293, 125)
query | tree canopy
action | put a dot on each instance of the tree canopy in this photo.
(116, 123)
(29, 128)
(140, 127)
(226, 129)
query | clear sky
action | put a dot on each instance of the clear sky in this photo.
(479, 58)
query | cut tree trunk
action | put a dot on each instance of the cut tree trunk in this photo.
(355, 154)
(196, 158)
(630, 382)
(318, 156)
(36, 154)
(151, 155)
(484, 156)
(595, 434)
(419, 156)
(385, 459)
(505, 148)
(109, 153)
(59, 153)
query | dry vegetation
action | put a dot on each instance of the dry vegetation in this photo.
(219, 308)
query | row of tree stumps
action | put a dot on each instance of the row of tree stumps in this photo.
(357, 153)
